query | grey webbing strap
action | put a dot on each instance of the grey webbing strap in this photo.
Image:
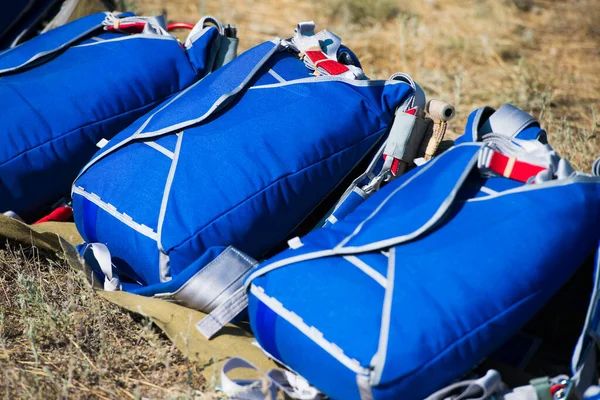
(228, 48)
(210, 325)
(583, 363)
(267, 385)
(596, 167)
(475, 389)
(215, 283)
(508, 121)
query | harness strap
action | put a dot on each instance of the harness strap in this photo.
(319, 52)
(98, 253)
(216, 288)
(267, 386)
(510, 167)
(508, 121)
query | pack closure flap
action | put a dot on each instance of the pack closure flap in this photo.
(199, 101)
(409, 211)
(415, 206)
(50, 43)
(208, 95)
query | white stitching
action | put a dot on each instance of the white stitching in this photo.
(112, 210)
(310, 331)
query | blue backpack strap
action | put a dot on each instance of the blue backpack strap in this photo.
(50, 43)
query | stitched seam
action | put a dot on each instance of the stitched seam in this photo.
(454, 344)
(64, 136)
(112, 211)
(298, 323)
(199, 231)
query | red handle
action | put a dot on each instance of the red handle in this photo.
(179, 25)
(137, 27)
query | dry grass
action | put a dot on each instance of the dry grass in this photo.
(469, 52)
(58, 340)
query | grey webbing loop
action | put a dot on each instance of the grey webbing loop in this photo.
(209, 20)
(596, 167)
(474, 389)
(419, 98)
(508, 121)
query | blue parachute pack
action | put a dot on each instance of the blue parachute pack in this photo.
(66, 90)
(414, 286)
(238, 161)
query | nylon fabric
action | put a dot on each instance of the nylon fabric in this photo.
(451, 249)
(50, 132)
(242, 174)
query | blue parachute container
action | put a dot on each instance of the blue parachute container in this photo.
(225, 171)
(431, 273)
(64, 91)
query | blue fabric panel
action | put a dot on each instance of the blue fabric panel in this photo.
(266, 323)
(109, 87)
(168, 142)
(352, 201)
(276, 176)
(470, 128)
(310, 356)
(289, 68)
(51, 40)
(138, 183)
(334, 296)
(90, 216)
(102, 35)
(475, 323)
(199, 52)
(432, 188)
(460, 290)
(199, 98)
(124, 240)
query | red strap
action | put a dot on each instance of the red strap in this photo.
(179, 25)
(60, 214)
(319, 59)
(512, 168)
(135, 27)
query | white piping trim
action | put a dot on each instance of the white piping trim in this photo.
(378, 360)
(340, 249)
(537, 186)
(213, 108)
(330, 78)
(184, 124)
(97, 39)
(276, 76)
(487, 190)
(160, 148)
(309, 331)
(134, 136)
(112, 210)
(286, 261)
(51, 51)
(167, 191)
(367, 269)
(136, 36)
